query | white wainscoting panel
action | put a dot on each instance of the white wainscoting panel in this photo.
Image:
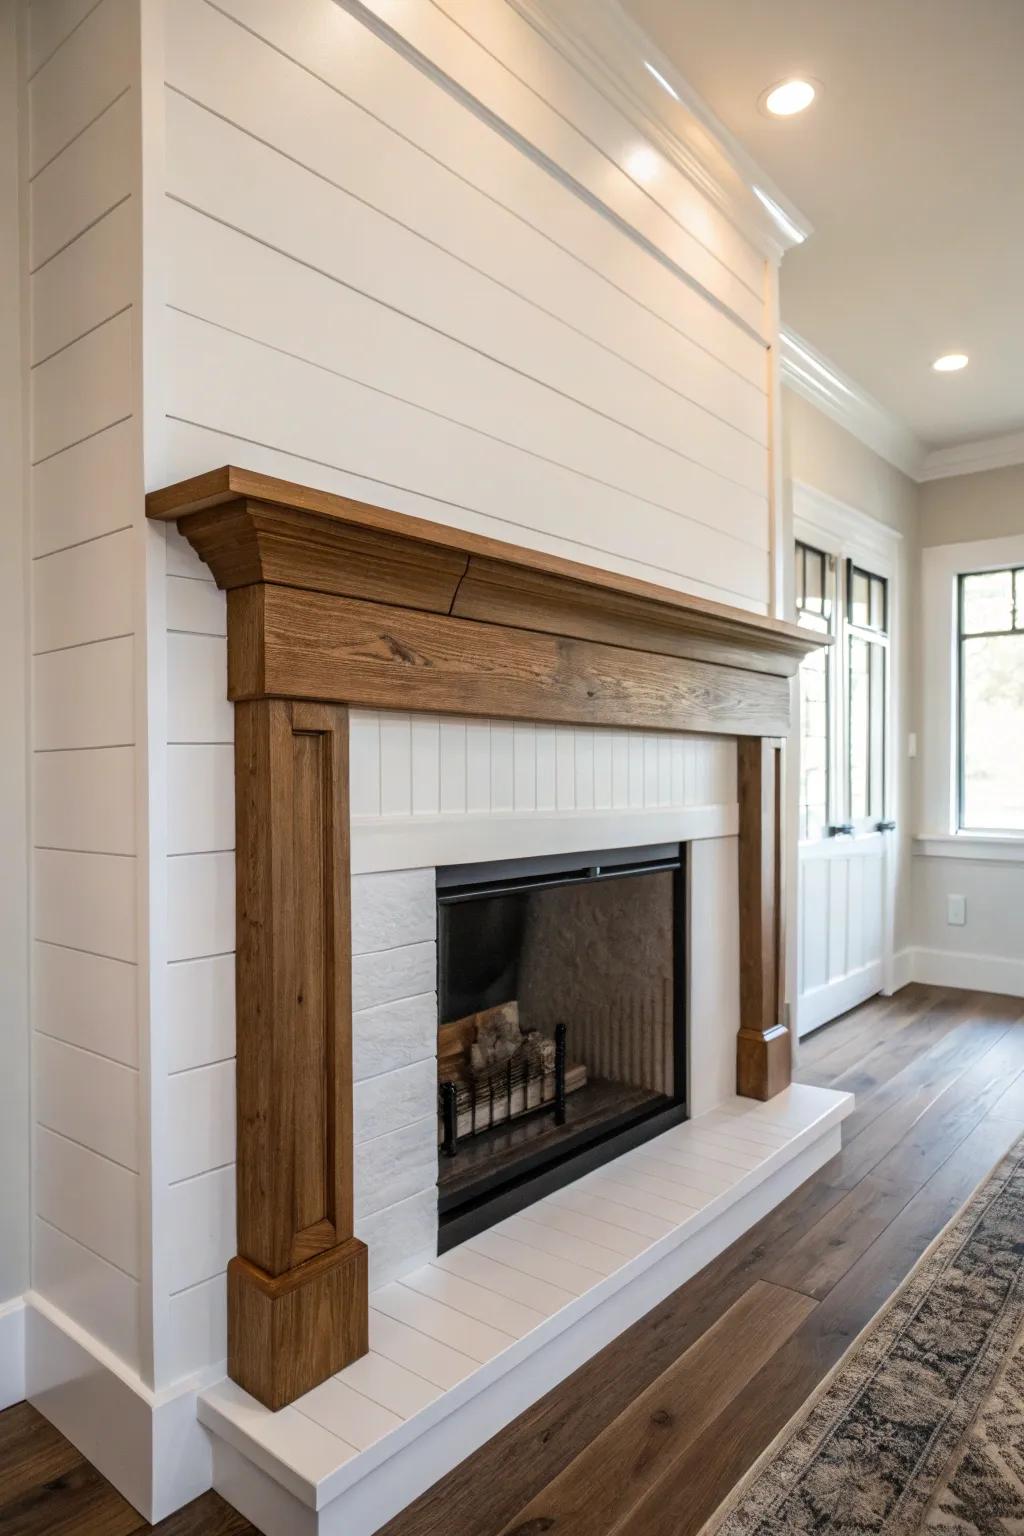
(842, 922)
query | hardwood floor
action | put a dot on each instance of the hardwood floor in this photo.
(649, 1436)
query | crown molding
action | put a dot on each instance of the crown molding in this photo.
(973, 458)
(611, 51)
(808, 373)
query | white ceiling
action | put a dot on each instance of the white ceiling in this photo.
(910, 165)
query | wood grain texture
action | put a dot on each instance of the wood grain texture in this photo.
(312, 646)
(294, 1051)
(220, 488)
(763, 1044)
(595, 1493)
(290, 1332)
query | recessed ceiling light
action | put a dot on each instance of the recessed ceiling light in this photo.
(950, 362)
(789, 97)
(662, 81)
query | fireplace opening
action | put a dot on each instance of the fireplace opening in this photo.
(561, 1034)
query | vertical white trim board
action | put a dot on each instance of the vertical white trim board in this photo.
(12, 1352)
(148, 1444)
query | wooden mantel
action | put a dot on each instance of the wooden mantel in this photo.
(332, 603)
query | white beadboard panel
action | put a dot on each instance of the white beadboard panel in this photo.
(83, 389)
(197, 1328)
(199, 1230)
(390, 975)
(101, 1299)
(201, 1120)
(195, 606)
(87, 1098)
(83, 697)
(84, 284)
(200, 998)
(200, 905)
(842, 900)
(197, 690)
(399, 1238)
(200, 798)
(506, 768)
(89, 1198)
(85, 492)
(85, 901)
(396, 1165)
(394, 1099)
(85, 801)
(92, 175)
(81, 79)
(49, 24)
(84, 594)
(498, 72)
(394, 1035)
(192, 448)
(460, 185)
(218, 274)
(393, 909)
(218, 170)
(86, 1000)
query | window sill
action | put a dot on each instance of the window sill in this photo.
(992, 847)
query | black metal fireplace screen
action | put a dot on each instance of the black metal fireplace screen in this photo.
(561, 1038)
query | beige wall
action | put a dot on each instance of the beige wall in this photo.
(988, 505)
(819, 452)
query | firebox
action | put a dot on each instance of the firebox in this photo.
(561, 1034)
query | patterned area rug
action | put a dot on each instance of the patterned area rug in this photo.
(921, 1426)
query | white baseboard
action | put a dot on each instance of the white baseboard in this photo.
(12, 1352)
(975, 973)
(359, 1510)
(902, 971)
(150, 1445)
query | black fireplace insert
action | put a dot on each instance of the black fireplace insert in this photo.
(561, 1023)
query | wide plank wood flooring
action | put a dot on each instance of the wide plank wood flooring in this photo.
(649, 1436)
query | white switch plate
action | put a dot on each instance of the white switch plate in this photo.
(956, 911)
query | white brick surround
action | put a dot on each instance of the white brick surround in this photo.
(506, 791)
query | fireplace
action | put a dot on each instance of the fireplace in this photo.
(561, 1023)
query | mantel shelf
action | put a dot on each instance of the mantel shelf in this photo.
(252, 528)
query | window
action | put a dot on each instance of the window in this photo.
(991, 701)
(866, 643)
(815, 605)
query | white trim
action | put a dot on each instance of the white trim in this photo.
(973, 973)
(12, 1352)
(902, 972)
(364, 1492)
(148, 1444)
(993, 848)
(973, 458)
(419, 842)
(611, 51)
(809, 373)
(846, 528)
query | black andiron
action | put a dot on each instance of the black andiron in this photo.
(487, 1097)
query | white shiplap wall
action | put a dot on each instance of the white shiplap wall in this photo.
(85, 486)
(370, 289)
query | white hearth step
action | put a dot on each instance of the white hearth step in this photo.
(459, 1346)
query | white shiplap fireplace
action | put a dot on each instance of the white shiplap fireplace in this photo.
(459, 1344)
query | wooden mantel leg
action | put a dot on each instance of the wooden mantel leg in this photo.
(763, 1065)
(297, 1291)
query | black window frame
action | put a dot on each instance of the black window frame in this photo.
(1016, 574)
